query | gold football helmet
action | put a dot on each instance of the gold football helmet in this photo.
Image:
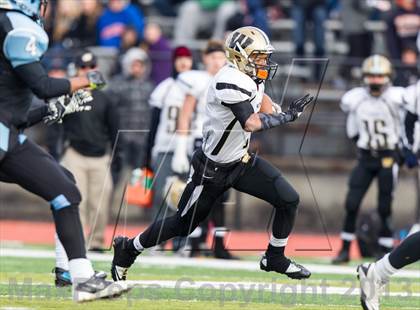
(377, 71)
(249, 50)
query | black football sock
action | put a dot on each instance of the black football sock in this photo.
(70, 232)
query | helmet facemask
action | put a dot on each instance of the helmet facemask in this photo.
(261, 72)
(376, 87)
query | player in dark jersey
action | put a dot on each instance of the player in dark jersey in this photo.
(23, 41)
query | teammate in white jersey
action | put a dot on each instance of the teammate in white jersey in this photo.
(166, 102)
(375, 276)
(374, 122)
(236, 106)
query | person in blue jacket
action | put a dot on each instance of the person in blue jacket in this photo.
(115, 19)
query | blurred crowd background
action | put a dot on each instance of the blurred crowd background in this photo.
(318, 42)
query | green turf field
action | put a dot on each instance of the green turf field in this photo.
(26, 283)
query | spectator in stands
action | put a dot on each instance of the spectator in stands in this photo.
(167, 7)
(316, 12)
(119, 15)
(90, 137)
(62, 15)
(250, 13)
(355, 13)
(403, 25)
(82, 32)
(407, 74)
(130, 91)
(159, 51)
(129, 39)
(196, 15)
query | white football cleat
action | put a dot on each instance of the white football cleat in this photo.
(97, 288)
(371, 286)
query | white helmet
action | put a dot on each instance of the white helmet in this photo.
(376, 65)
(242, 45)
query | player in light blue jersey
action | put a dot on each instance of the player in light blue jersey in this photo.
(23, 42)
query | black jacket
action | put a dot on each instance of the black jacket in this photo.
(91, 133)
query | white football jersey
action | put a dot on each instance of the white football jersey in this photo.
(169, 98)
(196, 83)
(225, 140)
(376, 120)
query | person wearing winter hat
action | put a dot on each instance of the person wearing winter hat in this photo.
(165, 102)
(130, 91)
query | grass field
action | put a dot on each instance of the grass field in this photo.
(26, 283)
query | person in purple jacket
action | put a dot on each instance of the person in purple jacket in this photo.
(116, 17)
(160, 53)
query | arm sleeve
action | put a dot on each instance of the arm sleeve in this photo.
(43, 86)
(241, 110)
(154, 123)
(35, 115)
(273, 120)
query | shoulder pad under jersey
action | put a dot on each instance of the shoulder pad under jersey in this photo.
(159, 93)
(232, 86)
(26, 42)
(352, 98)
(394, 94)
(194, 82)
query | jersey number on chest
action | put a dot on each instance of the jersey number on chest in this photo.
(376, 132)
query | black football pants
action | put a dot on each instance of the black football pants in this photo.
(407, 252)
(29, 166)
(209, 180)
(369, 167)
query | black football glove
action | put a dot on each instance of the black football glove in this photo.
(297, 107)
(96, 80)
(63, 105)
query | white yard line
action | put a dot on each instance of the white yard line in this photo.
(172, 261)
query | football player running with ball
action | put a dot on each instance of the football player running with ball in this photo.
(236, 107)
